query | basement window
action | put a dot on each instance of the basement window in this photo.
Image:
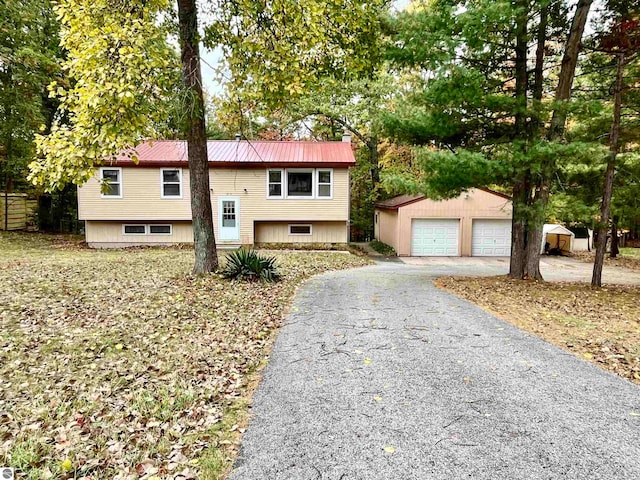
(134, 229)
(299, 229)
(160, 229)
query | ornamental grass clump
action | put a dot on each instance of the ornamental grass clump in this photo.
(250, 265)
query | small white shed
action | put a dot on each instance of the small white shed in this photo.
(558, 238)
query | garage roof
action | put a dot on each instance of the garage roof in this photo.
(399, 201)
(402, 200)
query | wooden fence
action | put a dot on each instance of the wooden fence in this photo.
(17, 212)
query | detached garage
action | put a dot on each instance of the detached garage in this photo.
(476, 223)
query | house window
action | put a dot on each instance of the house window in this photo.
(111, 179)
(134, 229)
(229, 213)
(171, 179)
(299, 229)
(325, 183)
(160, 229)
(274, 180)
(300, 183)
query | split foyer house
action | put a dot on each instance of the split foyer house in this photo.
(261, 192)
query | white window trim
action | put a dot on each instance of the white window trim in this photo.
(160, 225)
(317, 179)
(124, 225)
(315, 184)
(119, 169)
(162, 182)
(301, 225)
(312, 171)
(282, 183)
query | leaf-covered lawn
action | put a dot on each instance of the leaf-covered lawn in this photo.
(118, 364)
(600, 325)
(628, 258)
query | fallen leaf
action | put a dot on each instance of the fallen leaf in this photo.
(377, 398)
(367, 361)
(389, 449)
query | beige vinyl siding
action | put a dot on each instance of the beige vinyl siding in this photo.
(321, 232)
(475, 204)
(109, 234)
(141, 199)
(255, 206)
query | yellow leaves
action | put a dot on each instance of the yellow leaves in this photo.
(119, 346)
(377, 398)
(634, 414)
(123, 73)
(66, 465)
(587, 355)
(389, 449)
(367, 361)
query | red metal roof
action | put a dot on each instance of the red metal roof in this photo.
(245, 153)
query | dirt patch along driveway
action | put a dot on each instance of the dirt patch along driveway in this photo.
(379, 374)
(553, 269)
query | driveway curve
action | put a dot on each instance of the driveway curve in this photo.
(378, 374)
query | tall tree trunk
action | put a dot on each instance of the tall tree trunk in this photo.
(518, 243)
(521, 185)
(563, 93)
(206, 257)
(605, 208)
(372, 146)
(568, 69)
(537, 209)
(521, 70)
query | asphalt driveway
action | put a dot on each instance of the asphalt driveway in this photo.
(553, 269)
(377, 374)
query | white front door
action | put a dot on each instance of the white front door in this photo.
(434, 237)
(228, 218)
(491, 238)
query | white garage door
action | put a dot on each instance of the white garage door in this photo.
(434, 238)
(491, 238)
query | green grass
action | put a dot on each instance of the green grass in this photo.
(630, 252)
(122, 362)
